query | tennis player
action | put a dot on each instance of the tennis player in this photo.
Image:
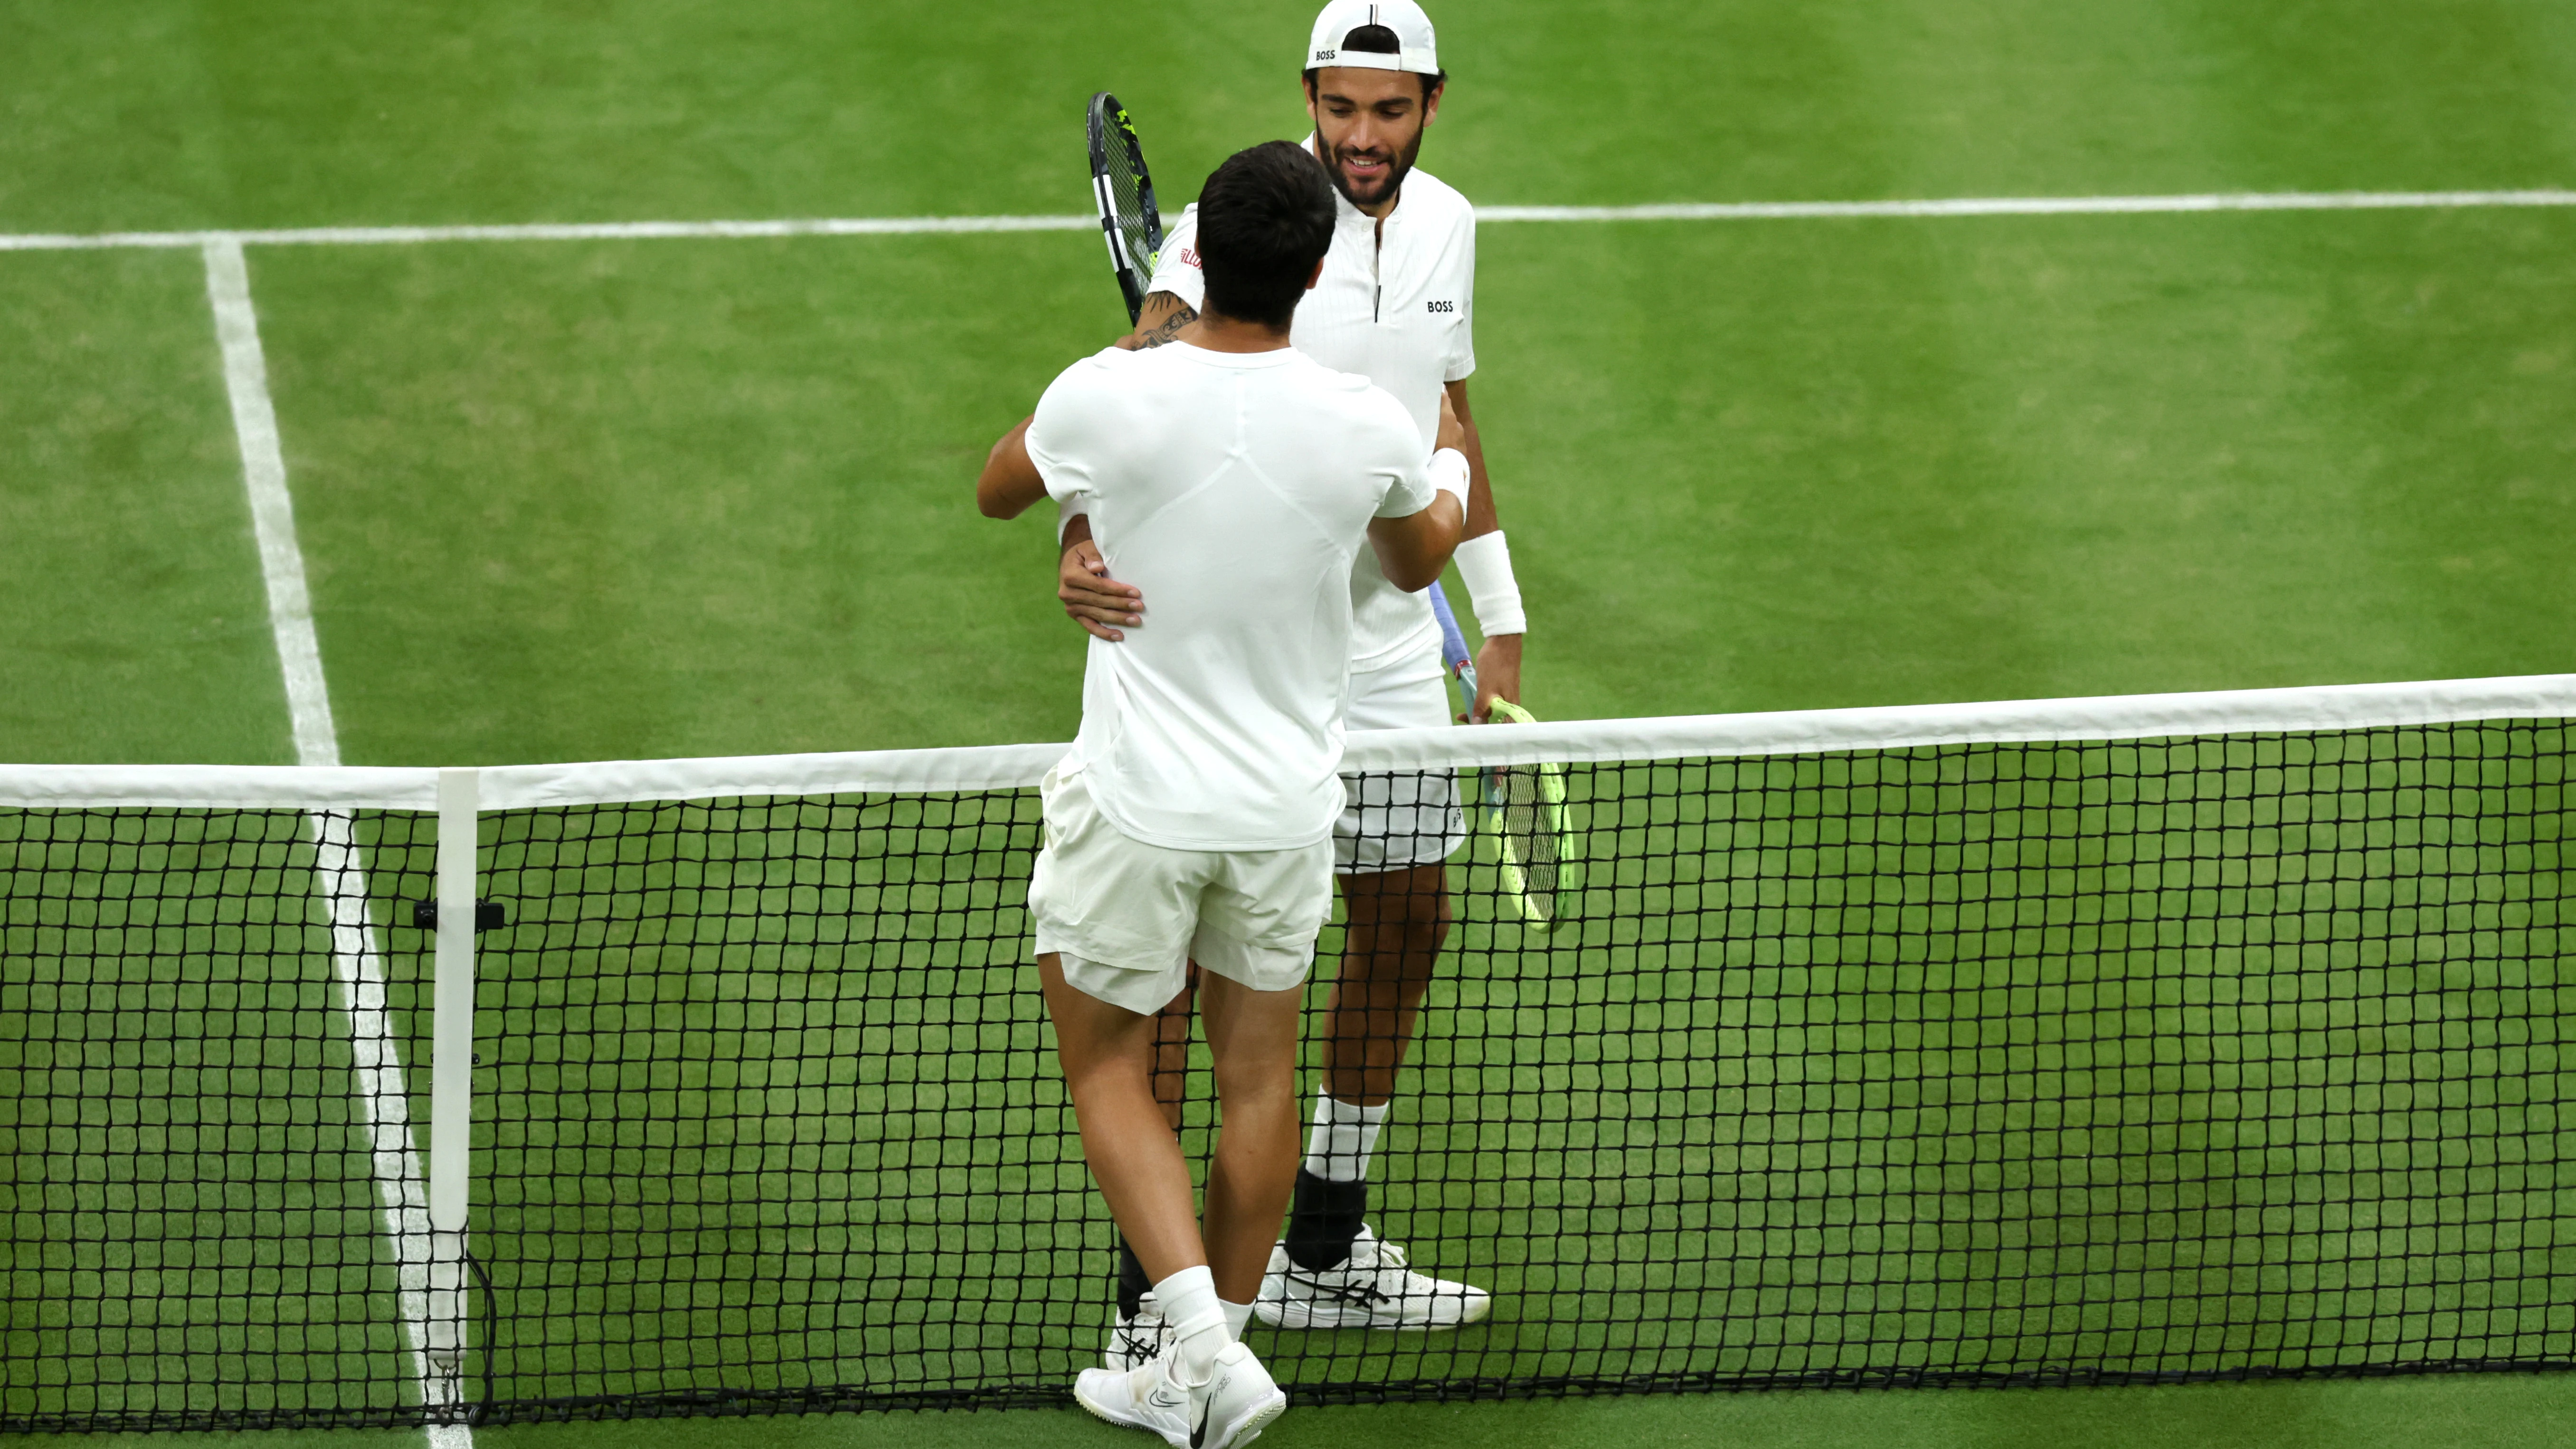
(1396, 304)
(1192, 820)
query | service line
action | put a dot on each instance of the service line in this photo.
(1672, 211)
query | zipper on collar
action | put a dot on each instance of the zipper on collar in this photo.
(1377, 272)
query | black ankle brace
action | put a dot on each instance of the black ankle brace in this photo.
(1132, 1283)
(1324, 1219)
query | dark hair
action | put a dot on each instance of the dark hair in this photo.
(1265, 219)
(1378, 40)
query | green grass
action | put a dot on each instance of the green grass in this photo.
(193, 1219)
(131, 612)
(2474, 1413)
(566, 501)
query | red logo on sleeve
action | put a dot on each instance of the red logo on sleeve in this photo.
(1190, 258)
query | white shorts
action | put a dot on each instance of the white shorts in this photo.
(1392, 822)
(1127, 917)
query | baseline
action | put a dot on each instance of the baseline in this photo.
(1662, 211)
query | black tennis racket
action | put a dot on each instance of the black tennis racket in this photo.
(1124, 192)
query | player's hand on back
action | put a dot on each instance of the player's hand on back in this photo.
(1453, 433)
(1091, 597)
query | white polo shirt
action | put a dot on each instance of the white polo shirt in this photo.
(1398, 308)
(1236, 490)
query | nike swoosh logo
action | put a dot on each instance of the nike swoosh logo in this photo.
(1198, 1436)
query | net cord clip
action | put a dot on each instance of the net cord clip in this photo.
(488, 916)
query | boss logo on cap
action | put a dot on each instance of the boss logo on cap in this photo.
(1325, 54)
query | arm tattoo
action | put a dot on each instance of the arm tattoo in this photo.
(1182, 315)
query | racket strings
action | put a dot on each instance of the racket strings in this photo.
(1530, 833)
(1127, 201)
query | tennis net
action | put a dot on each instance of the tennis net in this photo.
(2077, 1042)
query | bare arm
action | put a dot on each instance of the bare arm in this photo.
(1415, 548)
(1159, 321)
(1498, 659)
(1010, 482)
(1481, 519)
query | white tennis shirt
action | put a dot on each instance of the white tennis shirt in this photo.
(1235, 490)
(1398, 308)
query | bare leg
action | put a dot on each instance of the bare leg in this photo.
(1253, 1035)
(1107, 1052)
(1398, 921)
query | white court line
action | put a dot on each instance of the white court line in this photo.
(1674, 211)
(272, 510)
(401, 1187)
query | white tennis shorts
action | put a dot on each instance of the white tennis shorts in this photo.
(1393, 822)
(1127, 917)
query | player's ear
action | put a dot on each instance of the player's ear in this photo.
(1431, 103)
(1315, 275)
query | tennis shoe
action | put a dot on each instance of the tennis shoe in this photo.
(1372, 1288)
(1237, 1402)
(1138, 1339)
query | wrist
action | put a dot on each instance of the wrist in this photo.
(1485, 562)
(1449, 475)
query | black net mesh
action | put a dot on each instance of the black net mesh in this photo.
(2021, 1063)
(196, 1227)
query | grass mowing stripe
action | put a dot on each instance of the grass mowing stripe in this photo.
(422, 1278)
(1672, 211)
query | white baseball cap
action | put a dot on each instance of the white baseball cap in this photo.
(1420, 53)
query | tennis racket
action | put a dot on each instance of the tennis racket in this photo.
(1536, 852)
(1519, 808)
(1124, 192)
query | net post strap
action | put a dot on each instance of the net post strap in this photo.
(451, 1087)
(451, 1072)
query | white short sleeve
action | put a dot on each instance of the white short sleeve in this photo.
(1178, 271)
(1395, 457)
(1462, 338)
(1066, 438)
(1409, 494)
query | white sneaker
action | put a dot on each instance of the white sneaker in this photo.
(1236, 1403)
(1373, 1288)
(1137, 1341)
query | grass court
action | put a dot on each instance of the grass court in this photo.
(564, 500)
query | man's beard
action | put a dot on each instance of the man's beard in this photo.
(1395, 174)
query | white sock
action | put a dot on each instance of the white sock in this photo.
(1236, 1316)
(1338, 1148)
(1197, 1317)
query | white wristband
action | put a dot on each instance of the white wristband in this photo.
(1485, 562)
(1449, 475)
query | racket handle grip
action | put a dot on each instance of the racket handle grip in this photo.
(1453, 644)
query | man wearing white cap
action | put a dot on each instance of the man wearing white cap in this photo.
(1395, 304)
